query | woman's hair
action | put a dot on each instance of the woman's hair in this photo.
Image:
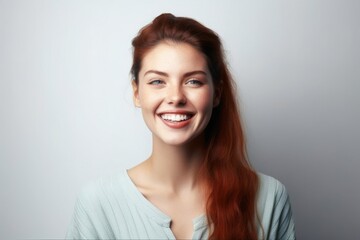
(231, 183)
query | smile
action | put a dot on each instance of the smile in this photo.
(176, 120)
(175, 117)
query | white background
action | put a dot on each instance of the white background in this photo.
(67, 115)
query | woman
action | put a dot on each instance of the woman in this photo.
(197, 182)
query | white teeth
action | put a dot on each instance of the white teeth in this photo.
(175, 117)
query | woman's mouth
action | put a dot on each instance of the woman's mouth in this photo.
(175, 117)
(176, 120)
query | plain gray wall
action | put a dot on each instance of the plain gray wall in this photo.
(67, 115)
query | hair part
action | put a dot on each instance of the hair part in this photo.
(231, 182)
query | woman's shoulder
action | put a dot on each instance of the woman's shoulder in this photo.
(274, 209)
(272, 195)
(270, 185)
(104, 200)
(103, 189)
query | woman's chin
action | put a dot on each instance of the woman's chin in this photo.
(180, 141)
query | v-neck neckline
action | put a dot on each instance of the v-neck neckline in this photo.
(154, 212)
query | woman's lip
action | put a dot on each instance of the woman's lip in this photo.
(175, 125)
(175, 112)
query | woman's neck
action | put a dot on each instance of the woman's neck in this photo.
(176, 168)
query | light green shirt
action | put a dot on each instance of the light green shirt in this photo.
(113, 208)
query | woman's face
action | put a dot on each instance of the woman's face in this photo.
(175, 92)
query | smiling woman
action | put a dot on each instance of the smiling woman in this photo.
(197, 182)
(175, 91)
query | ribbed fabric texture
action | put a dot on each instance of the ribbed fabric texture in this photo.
(113, 208)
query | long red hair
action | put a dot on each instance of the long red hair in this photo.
(231, 182)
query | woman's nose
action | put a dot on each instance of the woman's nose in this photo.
(175, 96)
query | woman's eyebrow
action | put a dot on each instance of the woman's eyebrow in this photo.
(185, 75)
(194, 73)
(157, 72)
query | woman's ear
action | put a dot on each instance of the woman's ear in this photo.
(135, 94)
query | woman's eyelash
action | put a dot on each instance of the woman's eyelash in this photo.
(155, 82)
(194, 82)
(190, 82)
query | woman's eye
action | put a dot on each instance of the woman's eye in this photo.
(194, 82)
(155, 82)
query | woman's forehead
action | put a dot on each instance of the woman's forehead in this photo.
(173, 58)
